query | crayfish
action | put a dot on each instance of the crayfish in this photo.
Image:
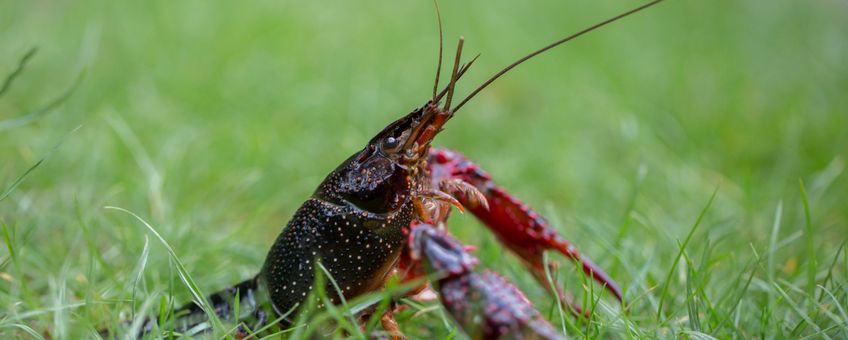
(382, 213)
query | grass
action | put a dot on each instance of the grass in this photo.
(213, 122)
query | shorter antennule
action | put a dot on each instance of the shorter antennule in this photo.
(462, 70)
(452, 86)
(441, 43)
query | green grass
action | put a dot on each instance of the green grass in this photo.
(213, 121)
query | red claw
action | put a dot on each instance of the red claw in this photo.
(443, 254)
(484, 304)
(517, 226)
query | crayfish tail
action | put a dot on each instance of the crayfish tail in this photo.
(191, 319)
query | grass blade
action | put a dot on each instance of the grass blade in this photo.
(35, 114)
(692, 230)
(24, 328)
(20, 180)
(29, 171)
(798, 309)
(199, 297)
(8, 239)
(811, 249)
(139, 271)
(7, 84)
(775, 230)
(555, 290)
(340, 294)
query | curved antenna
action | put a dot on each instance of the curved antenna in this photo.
(441, 43)
(550, 46)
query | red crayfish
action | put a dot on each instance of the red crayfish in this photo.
(383, 212)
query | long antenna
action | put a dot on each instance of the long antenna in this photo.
(452, 86)
(552, 45)
(441, 43)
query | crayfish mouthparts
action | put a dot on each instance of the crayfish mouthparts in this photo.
(425, 124)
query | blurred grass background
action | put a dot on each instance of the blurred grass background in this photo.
(214, 121)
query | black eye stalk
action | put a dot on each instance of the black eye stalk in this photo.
(390, 143)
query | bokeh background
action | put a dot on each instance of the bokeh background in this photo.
(214, 121)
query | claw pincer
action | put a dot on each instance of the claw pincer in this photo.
(485, 305)
(515, 224)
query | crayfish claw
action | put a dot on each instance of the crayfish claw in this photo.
(485, 304)
(443, 254)
(517, 226)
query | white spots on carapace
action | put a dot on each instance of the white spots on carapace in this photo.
(347, 242)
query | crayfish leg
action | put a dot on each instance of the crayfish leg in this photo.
(517, 226)
(391, 325)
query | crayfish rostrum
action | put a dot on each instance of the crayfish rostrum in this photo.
(383, 213)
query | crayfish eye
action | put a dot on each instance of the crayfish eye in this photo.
(390, 143)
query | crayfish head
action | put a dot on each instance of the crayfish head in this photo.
(384, 176)
(407, 140)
